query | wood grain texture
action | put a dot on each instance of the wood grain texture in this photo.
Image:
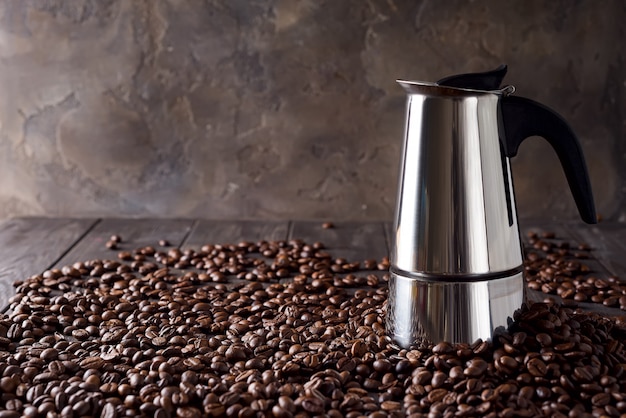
(560, 230)
(134, 233)
(605, 258)
(569, 232)
(354, 241)
(537, 296)
(29, 246)
(608, 242)
(232, 232)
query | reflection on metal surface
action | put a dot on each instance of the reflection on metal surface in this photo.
(456, 257)
(426, 310)
(455, 210)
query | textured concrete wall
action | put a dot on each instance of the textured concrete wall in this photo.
(275, 109)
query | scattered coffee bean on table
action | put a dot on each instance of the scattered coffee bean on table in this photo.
(281, 329)
(112, 245)
(555, 267)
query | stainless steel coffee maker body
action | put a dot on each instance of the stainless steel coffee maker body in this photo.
(456, 262)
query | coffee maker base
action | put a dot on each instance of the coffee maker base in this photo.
(430, 311)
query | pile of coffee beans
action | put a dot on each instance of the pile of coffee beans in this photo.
(280, 329)
(554, 267)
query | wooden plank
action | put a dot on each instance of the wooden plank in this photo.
(134, 233)
(603, 258)
(231, 232)
(559, 229)
(603, 234)
(566, 232)
(354, 241)
(28, 246)
(538, 296)
(608, 243)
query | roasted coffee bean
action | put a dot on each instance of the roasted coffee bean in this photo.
(476, 368)
(581, 374)
(422, 378)
(543, 392)
(508, 363)
(312, 404)
(439, 378)
(284, 328)
(544, 339)
(108, 411)
(9, 384)
(536, 367)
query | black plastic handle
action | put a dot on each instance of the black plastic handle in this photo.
(489, 80)
(522, 118)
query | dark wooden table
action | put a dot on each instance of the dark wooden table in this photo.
(29, 246)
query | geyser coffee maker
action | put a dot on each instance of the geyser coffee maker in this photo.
(456, 261)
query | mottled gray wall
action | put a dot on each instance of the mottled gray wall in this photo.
(281, 109)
